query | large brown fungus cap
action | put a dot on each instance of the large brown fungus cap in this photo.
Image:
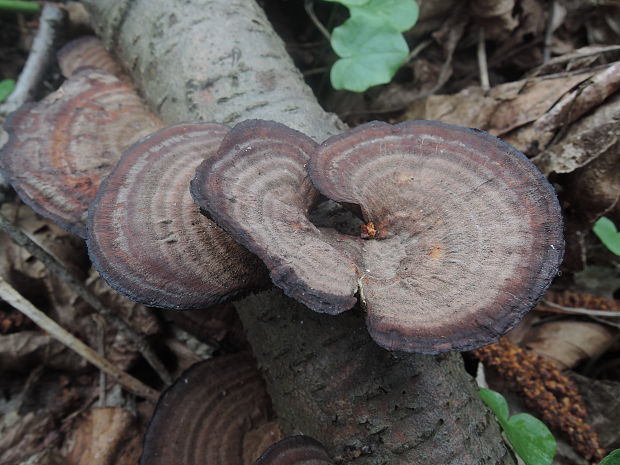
(463, 233)
(209, 415)
(257, 188)
(60, 149)
(150, 241)
(468, 233)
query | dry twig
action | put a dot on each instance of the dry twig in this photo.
(131, 384)
(21, 239)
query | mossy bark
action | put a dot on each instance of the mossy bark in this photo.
(220, 60)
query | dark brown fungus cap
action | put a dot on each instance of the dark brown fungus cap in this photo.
(295, 450)
(205, 416)
(88, 51)
(258, 190)
(150, 241)
(468, 233)
(61, 148)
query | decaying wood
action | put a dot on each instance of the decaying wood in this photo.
(221, 61)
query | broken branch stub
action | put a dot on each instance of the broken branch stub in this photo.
(60, 149)
(207, 415)
(463, 233)
(148, 239)
(257, 189)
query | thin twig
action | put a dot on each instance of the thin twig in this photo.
(309, 6)
(549, 32)
(41, 56)
(131, 384)
(418, 49)
(20, 238)
(582, 311)
(576, 55)
(482, 61)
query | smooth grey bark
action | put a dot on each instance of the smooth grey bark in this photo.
(220, 60)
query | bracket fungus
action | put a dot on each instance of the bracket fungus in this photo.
(218, 412)
(463, 234)
(295, 450)
(58, 151)
(148, 239)
(88, 51)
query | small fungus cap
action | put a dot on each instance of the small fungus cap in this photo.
(205, 417)
(148, 239)
(295, 450)
(88, 51)
(60, 149)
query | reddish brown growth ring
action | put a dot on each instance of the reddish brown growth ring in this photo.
(470, 231)
(149, 240)
(60, 149)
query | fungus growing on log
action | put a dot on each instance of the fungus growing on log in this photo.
(88, 51)
(148, 239)
(257, 188)
(295, 450)
(212, 415)
(61, 148)
(463, 234)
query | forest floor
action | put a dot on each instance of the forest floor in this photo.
(543, 75)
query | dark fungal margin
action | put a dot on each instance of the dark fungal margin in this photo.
(148, 239)
(469, 231)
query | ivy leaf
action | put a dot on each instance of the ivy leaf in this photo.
(528, 436)
(606, 231)
(370, 54)
(496, 402)
(399, 14)
(6, 87)
(612, 459)
(531, 439)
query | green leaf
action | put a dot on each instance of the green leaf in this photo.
(528, 436)
(496, 402)
(606, 231)
(370, 54)
(612, 459)
(399, 14)
(531, 439)
(6, 87)
(19, 6)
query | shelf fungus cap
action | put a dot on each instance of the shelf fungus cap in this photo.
(61, 148)
(206, 416)
(88, 51)
(257, 189)
(465, 233)
(150, 241)
(295, 450)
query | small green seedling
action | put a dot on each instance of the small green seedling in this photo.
(612, 459)
(6, 87)
(528, 436)
(370, 43)
(607, 232)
